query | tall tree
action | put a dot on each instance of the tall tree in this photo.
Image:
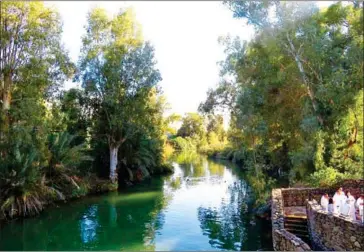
(192, 126)
(286, 16)
(30, 37)
(297, 86)
(118, 70)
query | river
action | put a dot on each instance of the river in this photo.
(204, 205)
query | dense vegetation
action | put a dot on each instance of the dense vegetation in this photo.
(294, 92)
(57, 144)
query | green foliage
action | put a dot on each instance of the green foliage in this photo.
(63, 155)
(295, 91)
(262, 186)
(200, 134)
(326, 177)
(118, 69)
(22, 188)
(184, 144)
(47, 138)
(192, 126)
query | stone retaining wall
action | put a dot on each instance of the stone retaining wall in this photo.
(326, 231)
(286, 241)
(333, 232)
(282, 239)
(299, 196)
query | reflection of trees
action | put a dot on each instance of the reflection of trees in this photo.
(229, 226)
(259, 182)
(131, 220)
(89, 224)
(118, 221)
(191, 164)
(174, 183)
(139, 217)
(216, 168)
(261, 185)
(226, 226)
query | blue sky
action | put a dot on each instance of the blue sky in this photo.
(184, 35)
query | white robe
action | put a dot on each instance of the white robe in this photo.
(343, 207)
(337, 203)
(351, 203)
(330, 208)
(359, 204)
(324, 203)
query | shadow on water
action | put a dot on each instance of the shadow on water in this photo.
(204, 205)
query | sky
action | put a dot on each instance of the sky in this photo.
(185, 37)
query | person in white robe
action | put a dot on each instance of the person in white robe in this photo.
(360, 205)
(331, 206)
(325, 202)
(344, 208)
(337, 201)
(351, 204)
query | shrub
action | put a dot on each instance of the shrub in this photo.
(325, 177)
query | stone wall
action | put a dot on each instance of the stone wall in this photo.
(299, 196)
(286, 241)
(327, 232)
(277, 209)
(282, 239)
(333, 232)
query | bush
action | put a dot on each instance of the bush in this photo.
(325, 178)
(168, 151)
(22, 188)
(164, 169)
(213, 150)
(184, 144)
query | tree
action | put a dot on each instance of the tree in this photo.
(215, 126)
(192, 126)
(296, 88)
(286, 13)
(77, 109)
(30, 37)
(118, 70)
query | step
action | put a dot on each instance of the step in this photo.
(296, 231)
(290, 220)
(304, 237)
(294, 223)
(296, 217)
(295, 226)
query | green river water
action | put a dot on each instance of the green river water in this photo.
(204, 205)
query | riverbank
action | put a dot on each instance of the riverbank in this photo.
(81, 187)
(204, 205)
(78, 188)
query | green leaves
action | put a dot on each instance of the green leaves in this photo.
(63, 155)
(295, 87)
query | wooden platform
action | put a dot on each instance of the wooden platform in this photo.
(296, 212)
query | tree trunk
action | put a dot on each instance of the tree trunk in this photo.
(305, 80)
(6, 84)
(113, 162)
(6, 95)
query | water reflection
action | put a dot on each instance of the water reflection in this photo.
(89, 224)
(204, 205)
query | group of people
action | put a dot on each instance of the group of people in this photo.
(343, 203)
